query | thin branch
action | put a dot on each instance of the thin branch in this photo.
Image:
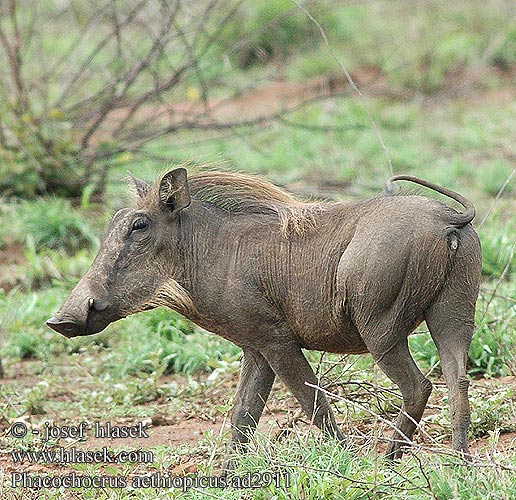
(126, 81)
(158, 89)
(352, 83)
(95, 51)
(79, 41)
(13, 54)
(497, 197)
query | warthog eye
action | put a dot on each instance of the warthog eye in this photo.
(139, 224)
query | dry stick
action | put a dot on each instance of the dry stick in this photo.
(503, 297)
(158, 88)
(405, 439)
(480, 462)
(13, 53)
(351, 82)
(175, 78)
(190, 50)
(424, 474)
(78, 75)
(171, 82)
(38, 167)
(118, 34)
(209, 42)
(15, 64)
(9, 402)
(78, 42)
(498, 195)
(154, 52)
(499, 280)
(128, 79)
(364, 385)
(264, 120)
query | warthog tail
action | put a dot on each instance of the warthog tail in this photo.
(458, 220)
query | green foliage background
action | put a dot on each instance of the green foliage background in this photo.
(438, 79)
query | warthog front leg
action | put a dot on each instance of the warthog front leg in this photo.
(294, 370)
(256, 379)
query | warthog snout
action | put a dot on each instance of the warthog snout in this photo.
(66, 328)
(81, 314)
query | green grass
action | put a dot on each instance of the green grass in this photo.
(498, 246)
(50, 223)
(309, 467)
(158, 363)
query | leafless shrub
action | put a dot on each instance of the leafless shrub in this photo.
(86, 82)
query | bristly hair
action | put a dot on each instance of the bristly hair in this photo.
(171, 294)
(244, 193)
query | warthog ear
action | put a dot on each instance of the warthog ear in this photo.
(141, 188)
(174, 194)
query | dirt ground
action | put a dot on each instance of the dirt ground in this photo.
(173, 431)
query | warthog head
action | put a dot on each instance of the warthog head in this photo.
(135, 267)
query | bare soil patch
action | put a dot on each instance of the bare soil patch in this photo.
(176, 431)
(261, 103)
(11, 255)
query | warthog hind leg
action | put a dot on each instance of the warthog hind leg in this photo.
(452, 336)
(394, 358)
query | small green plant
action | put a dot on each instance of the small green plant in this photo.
(486, 356)
(23, 321)
(504, 56)
(490, 412)
(50, 267)
(27, 345)
(176, 343)
(189, 353)
(36, 397)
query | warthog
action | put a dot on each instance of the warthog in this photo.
(244, 259)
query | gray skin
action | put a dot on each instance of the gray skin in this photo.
(360, 280)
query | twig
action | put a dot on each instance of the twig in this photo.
(124, 82)
(352, 83)
(498, 195)
(500, 279)
(95, 51)
(404, 440)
